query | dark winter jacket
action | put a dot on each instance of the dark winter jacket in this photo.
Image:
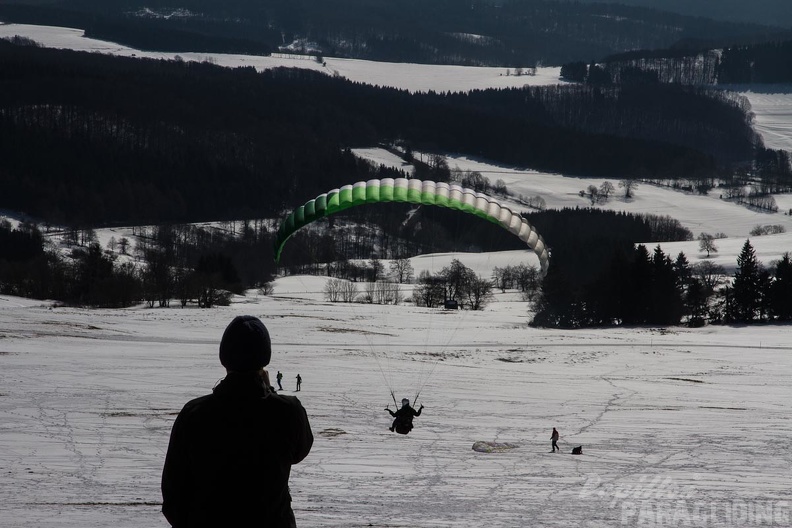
(230, 455)
(405, 414)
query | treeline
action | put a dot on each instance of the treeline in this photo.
(583, 240)
(141, 141)
(600, 277)
(194, 265)
(763, 63)
(482, 32)
(715, 123)
(583, 244)
(755, 63)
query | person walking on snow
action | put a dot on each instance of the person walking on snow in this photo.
(554, 439)
(279, 377)
(299, 381)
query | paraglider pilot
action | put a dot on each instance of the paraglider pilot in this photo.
(403, 422)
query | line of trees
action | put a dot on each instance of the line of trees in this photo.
(204, 266)
(756, 293)
(455, 283)
(751, 63)
(192, 264)
(640, 288)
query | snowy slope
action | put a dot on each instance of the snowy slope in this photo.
(413, 77)
(665, 417)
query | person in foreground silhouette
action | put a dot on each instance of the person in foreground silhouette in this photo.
(231, 452)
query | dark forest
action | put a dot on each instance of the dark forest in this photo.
(90, 139)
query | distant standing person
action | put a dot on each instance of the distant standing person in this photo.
(299, 381)
(231, 452)
(279, 377)
(554, 439)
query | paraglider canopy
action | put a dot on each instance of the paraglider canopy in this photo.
(422, 192)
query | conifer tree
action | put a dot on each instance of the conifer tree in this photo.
(638, 294)
(666, 305)
(746, 285)
(781, 290)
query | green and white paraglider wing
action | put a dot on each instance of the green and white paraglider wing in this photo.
(417, 192)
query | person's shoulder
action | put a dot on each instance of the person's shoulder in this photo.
(197, 402)
(193, 407)
(283, 400)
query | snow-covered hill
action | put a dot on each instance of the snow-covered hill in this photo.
(692, 421)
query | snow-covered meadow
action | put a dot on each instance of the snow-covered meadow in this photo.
(670, 420)
(412, 77)
(679, 427)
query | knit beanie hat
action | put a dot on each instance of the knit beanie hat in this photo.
(245, 345)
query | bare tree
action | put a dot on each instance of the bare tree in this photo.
(500, 187)
(402, 269)
(457, 278)
(707, 243)
(593, 193)
(629, 187)
(527, 278)
(437, 162)
(710, 274)
(537, 202)
(479, 293)
(87, 237)
(606, 189)
(377, 268)
(383, 292)
(349, 291)
(430, 290)
(503, 277)
(332, 290)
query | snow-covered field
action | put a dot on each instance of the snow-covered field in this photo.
(672, 421)
(772, 105)
(679, 427)
(413, 77)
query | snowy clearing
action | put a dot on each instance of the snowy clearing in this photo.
(665, 416)
(412, 77)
